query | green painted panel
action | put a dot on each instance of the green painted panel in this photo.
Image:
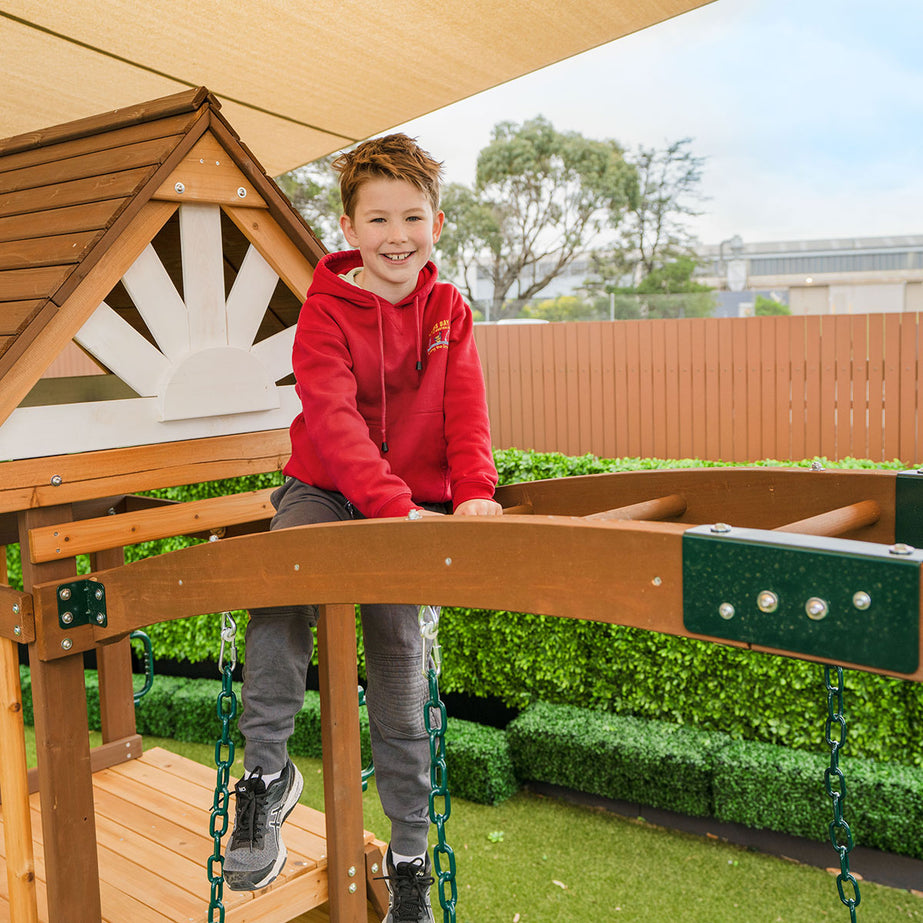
(757, 586)
(81, 602)
(908, 508)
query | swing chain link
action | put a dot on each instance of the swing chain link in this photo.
(835, 784)
(439, 777)
(224, 759)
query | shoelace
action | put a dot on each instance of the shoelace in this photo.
(250, 823)
(409, 889)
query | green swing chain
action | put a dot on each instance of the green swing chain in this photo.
(835, 783)
(438, 774)
(224, 759)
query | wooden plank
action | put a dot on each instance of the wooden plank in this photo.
(203, 275)
(41, 283)
(782, 411)
(658, 404)
(102, 757)
(17, 621)
(799, 388)
(837, 522)
(90, 535)
(183, 104)
(63, 750)
(764, 328)
(48, 251)
(875, 397)
(28, 483)
(14, 315)
(144, 153)
(118, 185)
(17, 820)
(73, 219)
(342, 764)
(249, 298)
(909, 386)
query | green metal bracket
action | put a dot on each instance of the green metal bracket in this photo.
(842, 600)
(82, 602)
(908, 507)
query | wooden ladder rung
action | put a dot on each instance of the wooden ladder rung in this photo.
(655, 510)
(838, 521)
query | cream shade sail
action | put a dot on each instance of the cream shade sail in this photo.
(296, 79)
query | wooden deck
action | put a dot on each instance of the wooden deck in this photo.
(152, 821)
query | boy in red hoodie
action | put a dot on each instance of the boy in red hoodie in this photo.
(393, 424)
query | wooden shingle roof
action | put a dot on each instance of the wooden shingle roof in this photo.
(68, 192)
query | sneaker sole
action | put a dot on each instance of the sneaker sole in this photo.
(287, 807)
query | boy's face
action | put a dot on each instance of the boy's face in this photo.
(394, 229)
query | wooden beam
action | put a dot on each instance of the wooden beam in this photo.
(656, 509)
(14, 786)
(62, 745)
(72, 478)
(342, 763)
(17, 620)
(88, 535)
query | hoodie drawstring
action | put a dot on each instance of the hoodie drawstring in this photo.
(381, 366)
(417, 325)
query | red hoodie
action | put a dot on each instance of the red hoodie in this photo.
(394, 411)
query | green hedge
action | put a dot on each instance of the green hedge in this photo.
(709, 774)
(522, 658)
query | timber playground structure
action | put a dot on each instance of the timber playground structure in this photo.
(152, 239)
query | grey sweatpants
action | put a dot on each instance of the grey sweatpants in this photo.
(278, 651)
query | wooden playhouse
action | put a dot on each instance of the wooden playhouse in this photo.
(151, 239)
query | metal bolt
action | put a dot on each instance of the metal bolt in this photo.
(374, 868)
(657, 581)
(99, 593)
(901, 548)
(57, 480)
(180, 188)
(67, 617)
(767, 601)
(353, 888)
(15, 608)
(816, 608)
(100, 618)
(817, 465)
(67, 644)
(241, 192)
(861, 600)
(64, 592)
(17, 630)
(351, 871)
(726, 611)
(297, 567)
(721, 528)
(448, 562)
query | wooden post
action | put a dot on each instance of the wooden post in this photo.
(14, 786)
(62, 746)
(116, 696)
(342, 763)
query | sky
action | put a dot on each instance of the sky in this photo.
(808, 113)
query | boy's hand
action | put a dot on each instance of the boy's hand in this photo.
(479, 508)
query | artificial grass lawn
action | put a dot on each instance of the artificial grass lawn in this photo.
(540, 860)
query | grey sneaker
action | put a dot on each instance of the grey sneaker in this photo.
(256, 853)
(409, 886)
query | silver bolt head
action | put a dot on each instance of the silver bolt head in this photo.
(98, 593)
(67, 617)
(902, 548)
(374, 868)
(351, 871)
(15, 608)
(726, 611)
(817, 465)
(67, 644)
(767, 601)
(241, 192)
(353, 888)
(57, 480)
(861, 600)
(64, 593)
(816, 608)
(180, 188)
(17, 630)
(100, 618)
(721, 528)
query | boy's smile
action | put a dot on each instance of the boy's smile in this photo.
(394, 229)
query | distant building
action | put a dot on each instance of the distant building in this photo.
(841, 276)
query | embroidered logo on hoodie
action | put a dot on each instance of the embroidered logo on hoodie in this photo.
(439, 336)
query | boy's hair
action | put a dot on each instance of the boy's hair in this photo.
(392, 157)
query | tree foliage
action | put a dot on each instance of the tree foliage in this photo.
(540, 198)
(769, 307)
(314, 191)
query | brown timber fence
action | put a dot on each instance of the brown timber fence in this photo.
(735, 389)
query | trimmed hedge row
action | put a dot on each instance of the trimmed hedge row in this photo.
(654, 763)
(708, 774)
(521, 658)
